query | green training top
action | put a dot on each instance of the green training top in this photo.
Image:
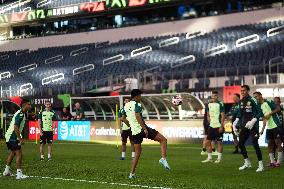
(215, 110)
(121, 112)
(130, 109)
(19, 120)
(267, 107)
(46, 118)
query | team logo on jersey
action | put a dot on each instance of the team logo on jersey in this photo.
(248, 103)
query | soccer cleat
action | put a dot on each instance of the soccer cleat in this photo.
(277, 164)
(132, 176)
(21, 176)
(245, 166)
(41, 158)
(164, 162)
(207, 160)
(8, 173)
(260, 169)
(217, 161)
(122, 158)
(203, 153)
(49, 159)
(270, 165)
(215, 153)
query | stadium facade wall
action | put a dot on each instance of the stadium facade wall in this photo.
(206, 24)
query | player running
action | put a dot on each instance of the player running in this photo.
(140, 130)
(248, 117)
(14, 139)
(272, 121)
(46, 126)
(216, 117)
(125, 132)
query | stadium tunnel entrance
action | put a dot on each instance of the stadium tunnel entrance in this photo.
(155, 107)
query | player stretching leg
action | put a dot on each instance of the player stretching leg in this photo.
(140, 130)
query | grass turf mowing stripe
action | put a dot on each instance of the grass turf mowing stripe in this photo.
(102, 182)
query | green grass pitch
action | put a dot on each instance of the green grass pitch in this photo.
(89, 165)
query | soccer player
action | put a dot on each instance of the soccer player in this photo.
(232, 115)
(80, 114)
(205, 126)
(280, 114)
(46, 126)
(140, 130)
(272, 121)
(248, 117)
(125, 132)
(14, 139)
(216, 117)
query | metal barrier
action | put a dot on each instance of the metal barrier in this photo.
(275, 31)
(25, 87)
(42, 3)
(140, 51)
(83, 69)
(182, 61)
(113, 59)
(195, 34)
(52, 79)
(5, 75)
(273, 61)
(216, 50)
(27, 68)
(169, 42)
(21, 52)
(53, 59)
(247, 40)
(79, 51)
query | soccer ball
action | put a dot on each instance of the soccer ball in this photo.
(177, 100)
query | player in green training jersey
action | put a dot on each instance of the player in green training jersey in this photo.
(125, 132)
(140, 130)
(46, 126)
(14, 139)
(272, 122)
(216, 117)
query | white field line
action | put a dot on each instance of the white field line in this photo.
(101, 182)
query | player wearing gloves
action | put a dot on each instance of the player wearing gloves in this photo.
(273, 133)
(248, 116)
